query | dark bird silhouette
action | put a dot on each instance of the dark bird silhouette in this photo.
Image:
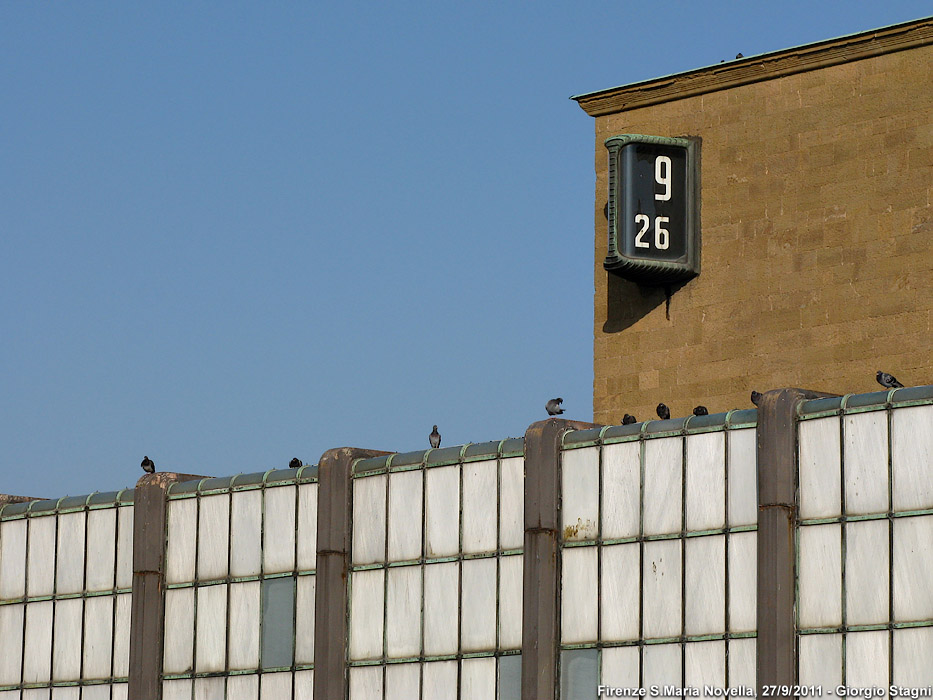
(295, 463)
(701, 411)
(435, 438)
(739, 55)
(887, 381)
(553, 407)
(663, 412)
(148, 465)
(756, 397)
(628, 419)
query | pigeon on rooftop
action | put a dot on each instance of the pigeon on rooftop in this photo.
(887, 380)
(739, 55)
(701, 411)
(553, 407)
(628, 419)
(295, 463)
(435, 438)
(148, 465)
(756, 397)
(663, 412)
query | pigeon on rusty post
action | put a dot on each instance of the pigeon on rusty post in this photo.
(434, 438)
(663, 412)
(553, 407)
(701, 411)
(295, 463)
(148, 465)
(887, 381)
(628, 419)
(756, 397)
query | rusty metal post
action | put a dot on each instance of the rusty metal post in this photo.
(335, 504)
(541, 576)
(148, 607)
(777, 519)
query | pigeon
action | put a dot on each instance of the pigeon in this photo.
(663, 412)
(756, 397)
(553, 407)
(148, 465)
(738, 56)
(295, 463)
(628, 419)
(435, 438)
(701, 411)
(887, 381)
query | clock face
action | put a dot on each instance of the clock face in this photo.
(653, 233)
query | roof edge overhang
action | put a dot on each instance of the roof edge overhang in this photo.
(753, 69)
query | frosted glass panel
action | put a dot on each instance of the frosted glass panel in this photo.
(366, 614)
(365, 683)
(478, 679)
(279, 529)
(405, 508)
(663, 485)
(403, 681)
(705, 664)
(304, 685)
(742, 663)
(442, 511)
(12, 559)
(209, 689)
(478, 627)
(92, 692)
(510, 677)
(662, 664)
(213, 537)
(743, 573)
(821, 660)
(245, 533)
(307, 526)
(121, 636)
(119, 691)
(440, 680)
(176, 690)
(911, 456)
(743, 477)
(304, 620)
(867, 659)
(440, 609)
(866, 462)
(278, 622)
(40, 573)
(66, 656)
(244, 625)
(125, 547)
(662, 589)
(706, 481)
(820, 576)
(819, 492)
(578, 595)
(37, 694)
(512, 503)
(913, 649)
(369, 519)
(74, 693)
(69, 577)
(866, 565)
(101, 549)
(705, 585)
(179, 630)
(619, 583)
(580, 494)
(913, 568)
(37, 667)
(621, 489)
(579, 674)
(479, 507)
(275, 686)
(98, 637)
(11, 632)
(403, 612)
(510, 602)
(182, 538)
(620, 667)
(243, 687)
(211, 636)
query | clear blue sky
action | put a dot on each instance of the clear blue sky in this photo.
(234, 233)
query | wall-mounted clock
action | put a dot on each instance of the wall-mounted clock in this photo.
(654, 208)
